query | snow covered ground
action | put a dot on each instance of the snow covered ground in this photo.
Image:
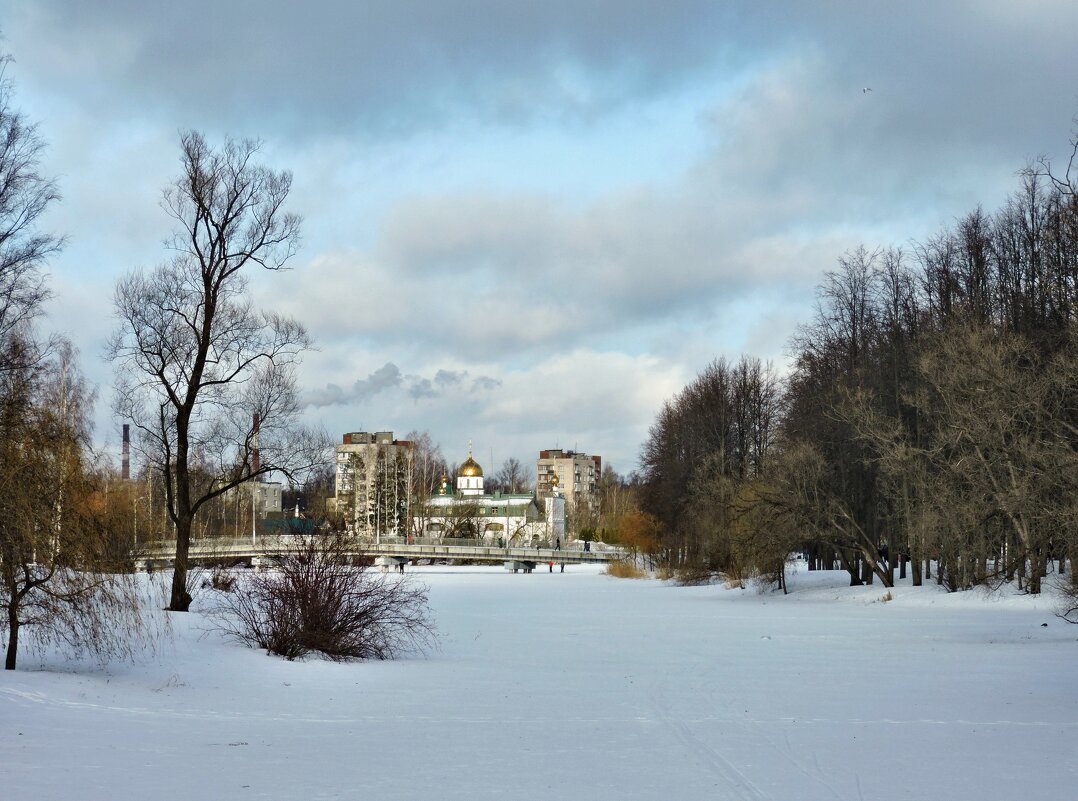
(581, 686)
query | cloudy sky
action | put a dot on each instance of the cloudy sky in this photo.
(528, 224)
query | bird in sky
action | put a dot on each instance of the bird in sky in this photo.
(866, 90)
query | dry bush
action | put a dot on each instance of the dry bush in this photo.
(693, 575)
(318, 602)
(624, 568)
(222, 580)
(1068, 597)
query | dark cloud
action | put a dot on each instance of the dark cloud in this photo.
(393, 66)
(419, 388)
(388, 377)
(449, 378)
(385, 377)
(387, 66)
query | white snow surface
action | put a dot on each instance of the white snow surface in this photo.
(581, 686)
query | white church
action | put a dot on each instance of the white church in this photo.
(501, 519)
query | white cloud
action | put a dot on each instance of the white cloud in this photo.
(520, 293)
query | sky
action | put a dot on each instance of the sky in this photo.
(528, 225)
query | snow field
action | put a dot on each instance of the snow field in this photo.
(581, 686)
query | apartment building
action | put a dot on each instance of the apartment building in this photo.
(371, 489)
(578, 476)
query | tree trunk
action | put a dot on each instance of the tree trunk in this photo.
(866, 571)
(180, 600)
(1036, 570)
(12, 635)
(850, 567)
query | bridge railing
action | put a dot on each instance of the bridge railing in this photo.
(288, 541)
(418, 547)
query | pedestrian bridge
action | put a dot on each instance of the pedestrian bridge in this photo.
(276, 546)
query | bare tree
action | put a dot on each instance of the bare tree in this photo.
(54, 557)
(511, 477)
(195, 360)
(25, 194)
(713, 435)
(428, 469)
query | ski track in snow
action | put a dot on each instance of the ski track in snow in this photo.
(40, 698)
(734, 780)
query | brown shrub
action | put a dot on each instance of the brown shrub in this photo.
(318, 601)
(624, 568)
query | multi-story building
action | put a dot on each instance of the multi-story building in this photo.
(371, 491)
(578, 476)
(265, 496)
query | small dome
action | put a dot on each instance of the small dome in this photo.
(470, 468)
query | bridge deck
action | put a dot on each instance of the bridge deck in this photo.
(278, 545)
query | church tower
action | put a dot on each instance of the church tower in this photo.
(470, 476)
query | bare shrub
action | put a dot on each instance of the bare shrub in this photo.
(624, 568)
(1068, 593)
(222, 580)
(693, 575)
(318, 602)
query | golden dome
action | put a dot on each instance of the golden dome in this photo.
(470, 468)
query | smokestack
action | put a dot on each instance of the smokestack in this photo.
(256, 462)
(125, 461)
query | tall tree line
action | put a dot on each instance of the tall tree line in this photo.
(928, 422)
(715, 434)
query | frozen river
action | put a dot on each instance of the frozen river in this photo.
(580, 686)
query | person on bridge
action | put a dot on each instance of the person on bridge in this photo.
(557, 544)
